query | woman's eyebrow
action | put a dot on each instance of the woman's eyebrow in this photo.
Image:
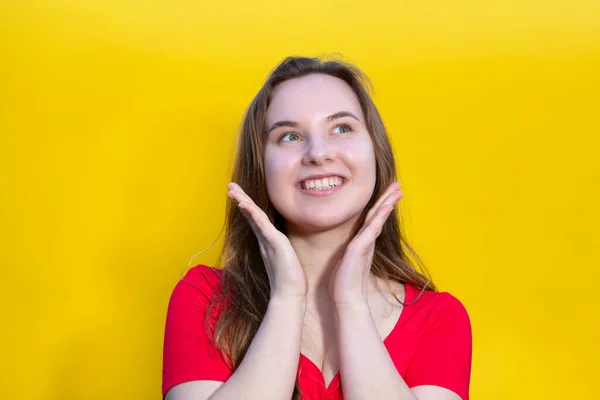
(294, 124)
(290, 124)
(340, 115)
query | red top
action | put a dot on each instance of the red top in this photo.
(431, 343)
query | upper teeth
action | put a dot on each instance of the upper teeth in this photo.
(322, 184)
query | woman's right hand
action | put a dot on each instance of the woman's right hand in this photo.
(286, 275)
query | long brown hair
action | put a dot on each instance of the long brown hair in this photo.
(245, 285)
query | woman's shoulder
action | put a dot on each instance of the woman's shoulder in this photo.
(200, 280)
(202, 275)
(435, 304)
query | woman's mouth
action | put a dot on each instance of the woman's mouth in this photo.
(323, 186)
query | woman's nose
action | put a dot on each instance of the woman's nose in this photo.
(318, 152)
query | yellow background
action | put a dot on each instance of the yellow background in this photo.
(117, 122)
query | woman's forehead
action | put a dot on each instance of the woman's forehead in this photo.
(312, 97)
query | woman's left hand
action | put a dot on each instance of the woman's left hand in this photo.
(349, 281)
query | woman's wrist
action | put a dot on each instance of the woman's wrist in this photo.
(288, 303)
(352, 310)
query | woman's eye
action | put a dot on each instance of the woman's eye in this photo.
(290, 137)
(342, 128)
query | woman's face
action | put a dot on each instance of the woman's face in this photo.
(319, 159)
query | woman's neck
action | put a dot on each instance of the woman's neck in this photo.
(319, 252)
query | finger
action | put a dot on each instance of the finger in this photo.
(262, 222)
(389, 201)
(392, 199)
(373, 228)
(237, 196)
(238, 192)
(395, 186)
(248, 216)
(245, 205)
(259, 221)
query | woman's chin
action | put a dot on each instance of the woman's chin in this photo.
(314, 225)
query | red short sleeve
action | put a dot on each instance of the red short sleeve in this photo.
(443, 355)
(188, 352)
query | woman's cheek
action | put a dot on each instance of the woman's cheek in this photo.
(359, 154)
(279, 163)
(280, 172)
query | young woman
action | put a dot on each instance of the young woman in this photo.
(318, 296)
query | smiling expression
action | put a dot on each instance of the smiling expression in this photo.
(319, 160)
